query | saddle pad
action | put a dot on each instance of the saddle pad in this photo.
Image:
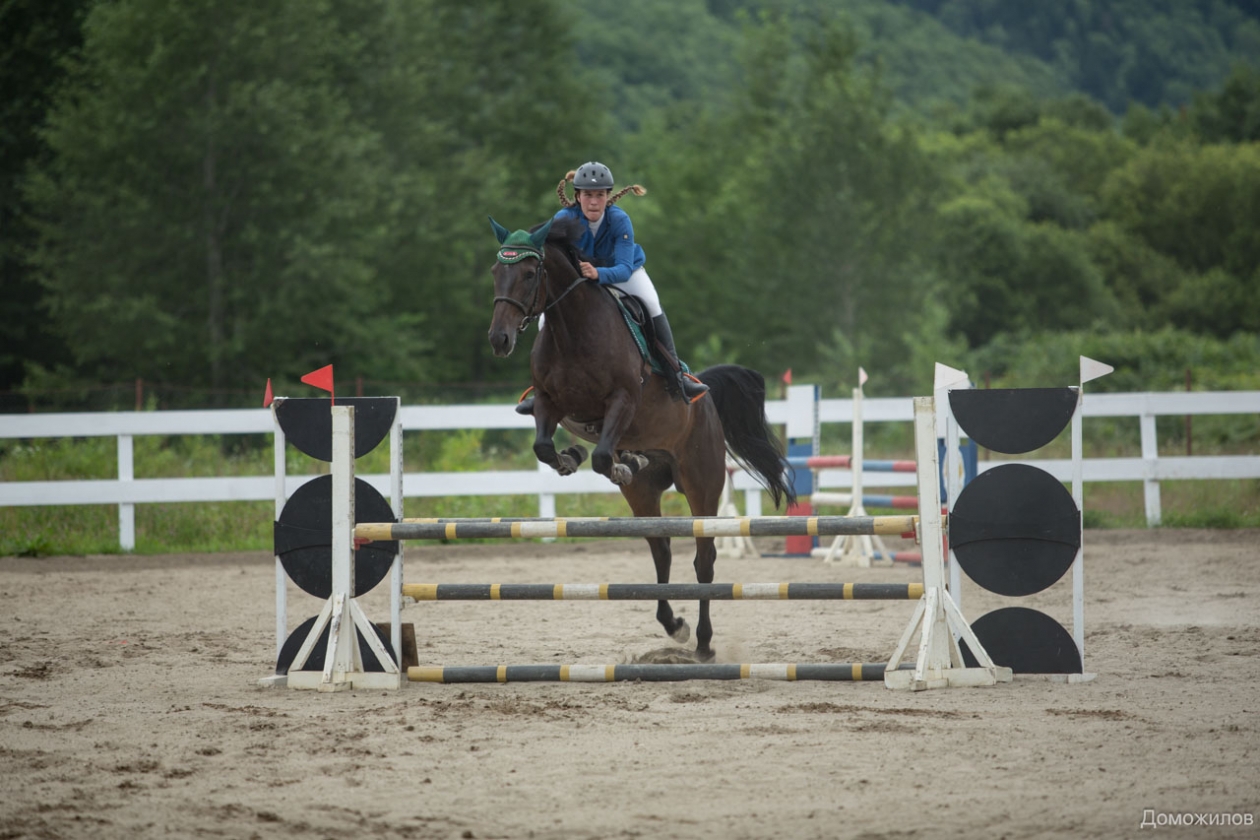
(632, 312)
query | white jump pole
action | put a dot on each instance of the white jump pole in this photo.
(1089, 370)
(947, 379)
(282, 618)
(396, 504)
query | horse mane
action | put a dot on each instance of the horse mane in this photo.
(565, 232)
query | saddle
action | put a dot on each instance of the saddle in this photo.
(634, 313)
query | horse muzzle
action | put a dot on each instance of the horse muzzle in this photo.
(502, 341)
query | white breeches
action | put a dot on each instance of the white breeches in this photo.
(640, 285)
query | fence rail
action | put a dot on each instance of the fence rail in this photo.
(796, 412)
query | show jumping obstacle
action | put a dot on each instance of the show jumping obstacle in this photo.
(936, 621)
(1015, 511)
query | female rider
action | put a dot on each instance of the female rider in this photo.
(608, 237)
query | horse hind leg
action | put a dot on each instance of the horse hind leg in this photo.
(644, 497)
(706, 556)
(675, 626)
(701, 479)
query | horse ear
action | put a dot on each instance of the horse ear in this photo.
(499, 230)
(539, 237)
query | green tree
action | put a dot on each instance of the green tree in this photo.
(35, 37)
(795, 218)
(1116, 51)
(651, 54)
(1232, 114)
(481, 109)
(1142, 279)
(1011, 275)
(256, 190)
(207, 215)
(1199, 205)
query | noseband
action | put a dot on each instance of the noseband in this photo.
(510, 255)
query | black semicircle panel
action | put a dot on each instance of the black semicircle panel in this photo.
(1015, 529)
(293, 644)
(1026, 641)
(307, 423)
(303, 537)
(1013, 420)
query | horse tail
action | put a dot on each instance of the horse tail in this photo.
(739, 395)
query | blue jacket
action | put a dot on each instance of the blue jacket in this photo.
(614, 252)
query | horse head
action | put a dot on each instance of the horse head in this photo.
(520, 292)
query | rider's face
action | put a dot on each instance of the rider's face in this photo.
(593, 203)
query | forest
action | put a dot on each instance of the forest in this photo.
(199, 195)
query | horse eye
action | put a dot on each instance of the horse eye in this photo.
(529, 275)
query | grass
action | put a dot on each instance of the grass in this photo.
(1226, 503)
(246, 526)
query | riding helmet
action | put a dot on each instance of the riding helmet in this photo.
(593, 176)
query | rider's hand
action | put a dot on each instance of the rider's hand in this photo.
(589, 271)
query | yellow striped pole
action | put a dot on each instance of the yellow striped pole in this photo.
(678, 526)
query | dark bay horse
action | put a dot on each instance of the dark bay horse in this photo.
(589, 376)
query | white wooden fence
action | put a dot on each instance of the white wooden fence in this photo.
(797, 412)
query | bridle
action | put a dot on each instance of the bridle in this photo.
(512, 254)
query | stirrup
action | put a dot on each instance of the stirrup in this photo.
(697, 387)
(525, 403)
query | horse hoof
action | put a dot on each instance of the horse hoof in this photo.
(634, 460)
(682, 634)
(620, 475)
(704, 655)
(566, 465)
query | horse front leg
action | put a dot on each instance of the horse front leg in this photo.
(618, 415)
(546, 420)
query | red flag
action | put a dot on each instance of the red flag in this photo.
(268, 399)
(787, 377)
(322, 379)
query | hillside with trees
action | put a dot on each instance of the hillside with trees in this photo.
(202, 196)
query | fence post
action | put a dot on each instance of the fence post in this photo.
(1150, 454)
(752, 502)
(126, 510)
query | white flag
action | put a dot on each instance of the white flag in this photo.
(1091, 369)
(947, 376)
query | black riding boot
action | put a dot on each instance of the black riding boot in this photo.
(526, 405)
(691, 389)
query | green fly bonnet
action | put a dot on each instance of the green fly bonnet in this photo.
(514, 247)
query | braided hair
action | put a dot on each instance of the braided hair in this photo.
(565, 201)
